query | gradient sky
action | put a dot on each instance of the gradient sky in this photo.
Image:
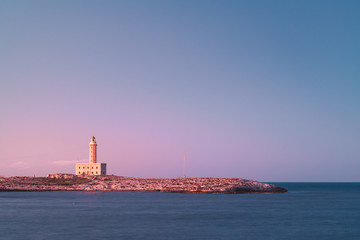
(265, 90)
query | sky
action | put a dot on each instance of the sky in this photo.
(264, 90)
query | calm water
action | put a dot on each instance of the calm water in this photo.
(309, 211)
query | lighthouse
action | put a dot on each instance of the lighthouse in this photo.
(92, 150)
(93, 167)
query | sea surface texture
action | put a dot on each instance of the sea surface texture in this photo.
(308, 211)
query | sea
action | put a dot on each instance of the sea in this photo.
(321, 211)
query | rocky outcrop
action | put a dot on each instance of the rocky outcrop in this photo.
(70, 182)
(61, 175)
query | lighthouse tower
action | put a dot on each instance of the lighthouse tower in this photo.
(92, 150)
(93, 167)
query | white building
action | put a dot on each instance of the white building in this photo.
(93, 167)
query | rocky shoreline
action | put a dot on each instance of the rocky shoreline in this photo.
(111, 183)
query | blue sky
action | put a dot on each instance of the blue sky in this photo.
(266, 90)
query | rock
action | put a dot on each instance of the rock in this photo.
(62, 176)
(70, 182)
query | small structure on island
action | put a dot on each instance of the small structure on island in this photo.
(93, 167)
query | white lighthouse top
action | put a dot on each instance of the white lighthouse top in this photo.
(92, 140)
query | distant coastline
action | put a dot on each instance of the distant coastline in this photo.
(111, 183)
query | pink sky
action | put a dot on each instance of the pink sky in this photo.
(256, 92)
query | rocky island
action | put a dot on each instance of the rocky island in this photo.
(111, 183)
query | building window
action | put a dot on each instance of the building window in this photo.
(96, 167)
(92, 167)
(79, 167)
(88, 167)
(96, 172)
(83, 167)
(92, 172)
